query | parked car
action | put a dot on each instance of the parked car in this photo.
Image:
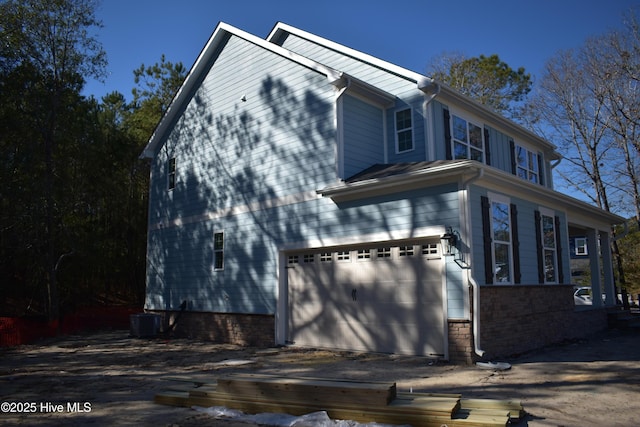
(582, 296)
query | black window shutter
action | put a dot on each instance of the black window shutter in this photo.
(447, 133)
(540, 169)
(486, 234)
(515, 242)
(487, 147)
(559, 251)
(539, 247)
(512, 147)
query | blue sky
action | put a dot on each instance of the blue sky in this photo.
(405, 32)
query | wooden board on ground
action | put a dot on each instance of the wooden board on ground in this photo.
(309, 390)
(371, 401)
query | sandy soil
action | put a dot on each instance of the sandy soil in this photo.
(110, 379)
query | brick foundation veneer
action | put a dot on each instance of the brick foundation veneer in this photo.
(229, 328)
(516, 319)
(460, 341)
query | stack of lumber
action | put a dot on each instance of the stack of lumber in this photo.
(362, 401)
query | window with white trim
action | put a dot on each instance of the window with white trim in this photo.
(502, 239)
(467, 139)
(404, 130)
(527, 164)
(549, 247)
(218, 251)
(581, 246)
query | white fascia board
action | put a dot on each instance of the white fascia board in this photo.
(200, 66)
(395, 69)
(578, 211)
(423, 177)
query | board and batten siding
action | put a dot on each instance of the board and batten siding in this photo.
(363, 129)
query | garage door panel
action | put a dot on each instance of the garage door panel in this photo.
(386, 299)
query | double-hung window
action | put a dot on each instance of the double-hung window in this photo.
(501, 236)
(467, 139)
(218, 251)
(404, 130)
(549, 246)
(171, 173)
(581, 246)
(528, 164)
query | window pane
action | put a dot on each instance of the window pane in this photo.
(533, 162)
(548, 232)
(460, 129)
(502, 263)
(404, 140)
(459, 151)
(475, 135)
(549, 266)
(476, 155)
(403, 119)
(501, 225)
(521, 155)
(218, 241)
(218, 262)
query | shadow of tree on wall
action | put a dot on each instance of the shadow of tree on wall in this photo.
(247, 170)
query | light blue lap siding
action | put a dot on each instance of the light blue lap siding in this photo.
(363, 135)
(181, 257)
(369, 73)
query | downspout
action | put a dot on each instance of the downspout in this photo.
(470, 278)
(431, 89)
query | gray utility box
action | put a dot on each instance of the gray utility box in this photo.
(144, 325)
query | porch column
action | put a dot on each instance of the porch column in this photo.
(607, 269)
(594, 263)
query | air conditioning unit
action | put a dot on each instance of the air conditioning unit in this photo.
(144, 325)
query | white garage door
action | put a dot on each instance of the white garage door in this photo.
(378, 298)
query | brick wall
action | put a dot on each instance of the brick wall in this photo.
(241, 329)
(516, 319)
(460, 341)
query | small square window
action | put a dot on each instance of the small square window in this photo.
(581, 246)
(307, 258)
(293, 259)
(325, 257)
(343, 255)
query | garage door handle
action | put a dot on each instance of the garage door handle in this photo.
(354, 295)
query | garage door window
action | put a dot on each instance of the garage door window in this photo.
(325, 257)
(406, 251)
(364, 254)
(307, 258)
(344, 255)
(430, 249)
(384, 252)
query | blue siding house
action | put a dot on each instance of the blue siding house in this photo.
(304, 193)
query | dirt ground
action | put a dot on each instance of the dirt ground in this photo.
(110, 378)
